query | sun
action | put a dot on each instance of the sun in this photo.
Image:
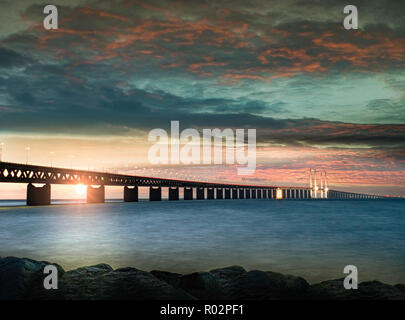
(81, 189)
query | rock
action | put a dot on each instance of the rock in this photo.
(375, 290)
(260, 285)
(22, 277)
(82, 283)
(202, 285)
(102, 283)
(400, 287)
(370, 290)
(228, 273)
(171, 278)
(138, 285)
(225, 277)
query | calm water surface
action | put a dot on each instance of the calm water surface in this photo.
(313, 239)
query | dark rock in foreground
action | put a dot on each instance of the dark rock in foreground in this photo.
(23, 279)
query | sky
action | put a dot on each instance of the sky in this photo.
(319, 96)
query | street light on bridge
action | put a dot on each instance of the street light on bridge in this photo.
(27, 151)
(1, 151)
(51, 157)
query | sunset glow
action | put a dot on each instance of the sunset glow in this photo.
(81, 190)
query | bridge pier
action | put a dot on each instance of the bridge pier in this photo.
(130, 194)
(155, 194)
(259, 193)
(95, 195)
(220, 193)
(38, 196)
(173, 193)
(254, 194)
(210, 193)
(200, 194)
(227, 193)
(188, 193)
(241, 193)
(234, 193)
(247, 193)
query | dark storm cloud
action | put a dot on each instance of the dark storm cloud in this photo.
(10, 59)
(108, 110)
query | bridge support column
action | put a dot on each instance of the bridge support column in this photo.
(254, 194)
(95, 195)
(284, 191)
(188, 193)
(155, 193)
(247, 193)
(38, 196)
(210, 193)
(272, 193)
(130, 194)
(200, 194)
(234, 193)
(220, 193)
(227, 193)
(241, 193)
(173, 193)
(259, 193)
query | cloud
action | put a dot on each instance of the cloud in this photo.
(286, 68)
(11, 59)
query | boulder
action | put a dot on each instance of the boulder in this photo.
(228, 273)
(370, 290)
(102, 283)
(260, 285)
(202, 285)
(82, 283)
(22, 278)
(171, 278)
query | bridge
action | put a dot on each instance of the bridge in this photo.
(97, 181)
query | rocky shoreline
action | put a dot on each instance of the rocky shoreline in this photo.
(22, 278)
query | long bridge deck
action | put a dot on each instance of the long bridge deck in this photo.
(33, 174)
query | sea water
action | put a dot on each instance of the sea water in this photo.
(314, 239)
